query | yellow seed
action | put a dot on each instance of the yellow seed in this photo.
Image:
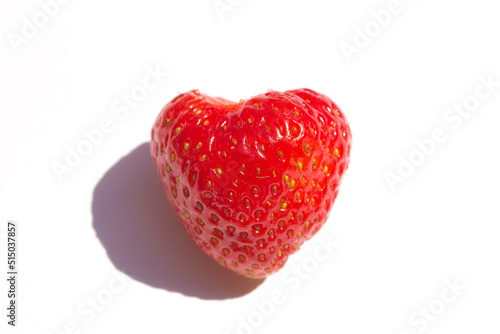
(206, 122)
(292, 183)
(177, 130)
(249, 121)
(172, 157)
(286, 178)
(186, 146)
(299, 165)
(280, 154)
(234, 141)
(256, 105)
(337, 152)
(198, 146)
(219, 171)
(283, 205)
(197, 112)
(325, 169)
(203, 157)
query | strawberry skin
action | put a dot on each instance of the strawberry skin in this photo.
(251, 181)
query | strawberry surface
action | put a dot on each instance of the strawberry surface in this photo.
(251, 181)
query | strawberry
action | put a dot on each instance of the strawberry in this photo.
(251, 181)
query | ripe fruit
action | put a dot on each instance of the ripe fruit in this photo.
(251, 181)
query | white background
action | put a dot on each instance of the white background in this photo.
(397, 248)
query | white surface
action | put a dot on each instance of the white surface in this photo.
(397, 248)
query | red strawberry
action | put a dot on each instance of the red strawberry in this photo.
(251, 181)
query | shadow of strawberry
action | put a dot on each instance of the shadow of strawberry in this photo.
(144, 238)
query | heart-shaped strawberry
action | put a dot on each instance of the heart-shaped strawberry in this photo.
(251, 181)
